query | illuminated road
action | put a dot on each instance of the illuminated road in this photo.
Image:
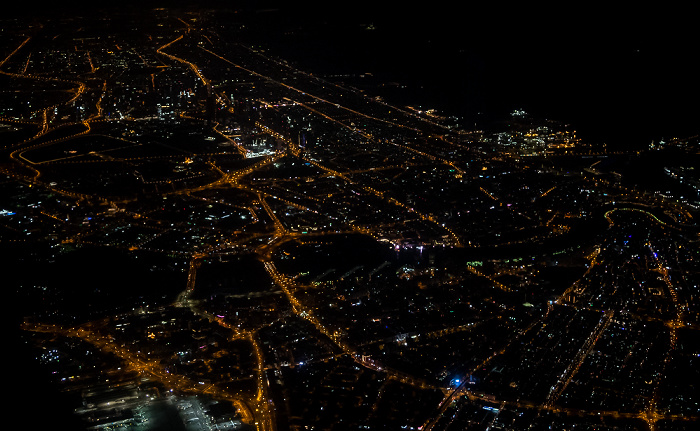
(136, 362)
(260, 197)
(289, 286)
(575, 363)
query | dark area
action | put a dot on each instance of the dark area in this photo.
(623, 77)
(109, 281)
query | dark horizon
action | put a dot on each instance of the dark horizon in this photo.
(623, 77)
(624, 80)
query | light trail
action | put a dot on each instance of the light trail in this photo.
(192, 66)
(2, 63)
(564, 380)
(425, 217)
(289, 286)
(289, 87)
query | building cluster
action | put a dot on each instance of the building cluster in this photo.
(210, 236)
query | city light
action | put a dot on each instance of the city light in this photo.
(204, 224)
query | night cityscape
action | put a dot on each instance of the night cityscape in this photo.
(274, 219)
